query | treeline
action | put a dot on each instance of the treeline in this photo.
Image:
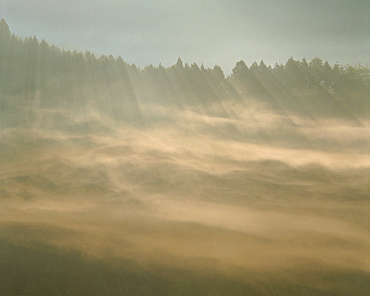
(29, 66)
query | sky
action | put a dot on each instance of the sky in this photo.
(203, 31)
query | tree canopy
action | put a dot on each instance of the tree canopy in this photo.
(30, 66)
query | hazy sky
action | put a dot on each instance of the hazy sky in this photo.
(209, 31)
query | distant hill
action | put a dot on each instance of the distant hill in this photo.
(34, 72)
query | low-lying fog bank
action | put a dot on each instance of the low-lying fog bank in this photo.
(253, 202)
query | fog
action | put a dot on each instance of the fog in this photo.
(117, 180)
(251, 198)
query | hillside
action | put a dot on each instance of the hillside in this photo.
(34, 72)
(179, 180)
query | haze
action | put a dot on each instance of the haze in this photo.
(125, 179)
